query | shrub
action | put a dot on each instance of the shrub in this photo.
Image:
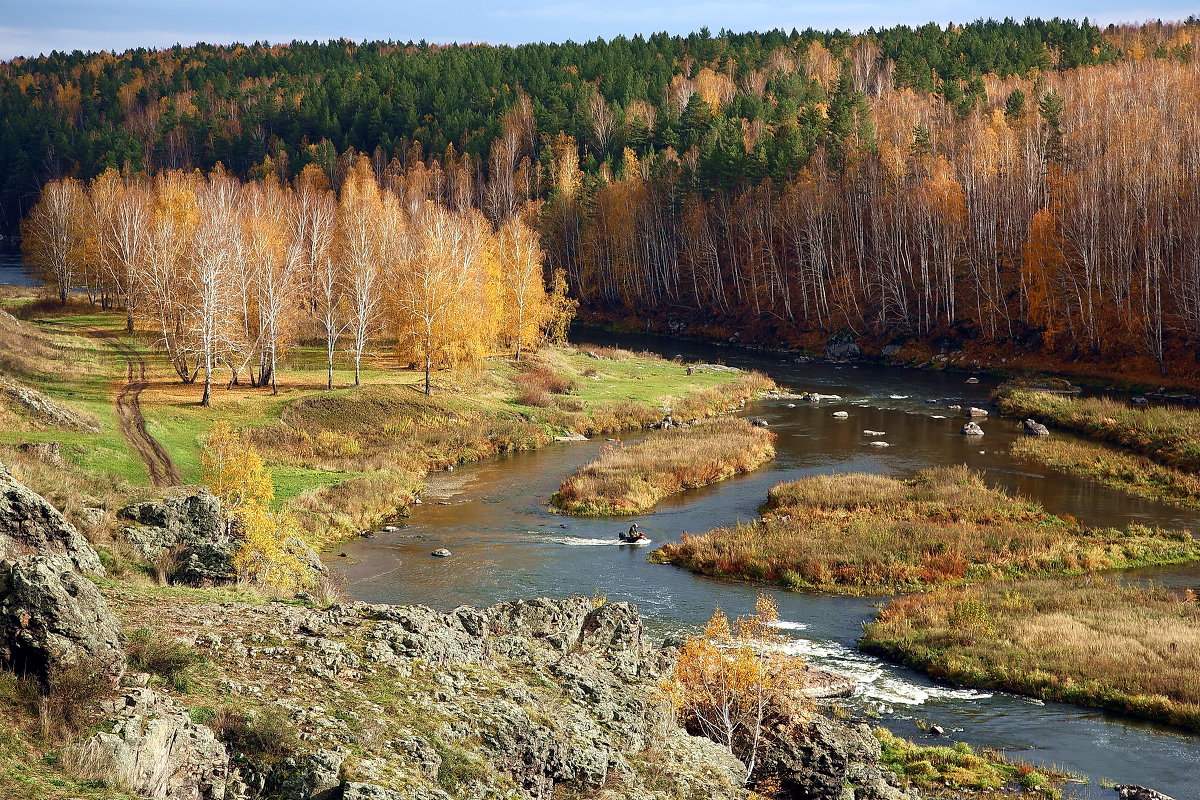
(162, 655)
(265, 735)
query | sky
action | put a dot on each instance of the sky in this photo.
(33, 27)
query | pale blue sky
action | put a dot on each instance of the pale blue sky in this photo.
(30, 27)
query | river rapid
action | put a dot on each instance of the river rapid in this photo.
(508, 544)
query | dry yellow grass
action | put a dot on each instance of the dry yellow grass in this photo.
(861, 533)
(1133, 473)
(631, 480)
(1087, 641)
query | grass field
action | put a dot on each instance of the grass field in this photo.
(1087, 641)
(862, 533)
(341, 458)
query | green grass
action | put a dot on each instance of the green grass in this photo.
(861, 533)
(958, 767)
(1087, 641)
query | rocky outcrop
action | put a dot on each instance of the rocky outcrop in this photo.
(187, 527)
(824, 759)
(46, 410)
(1130, 792)
(49, 452)
(53, 617)
(155, 750)
(1035, 428)
(31, 526)
(188, 524)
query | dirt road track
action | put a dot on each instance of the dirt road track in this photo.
(129, 413)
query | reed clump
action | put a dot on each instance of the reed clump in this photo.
(862, 534)
(1167, 434)
(1133, 473)
(1088, 641)
(631, 480)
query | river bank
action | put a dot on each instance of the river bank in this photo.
(1128, 649)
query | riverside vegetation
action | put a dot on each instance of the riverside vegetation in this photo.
(1088, 641)
(631, 480)
(861, 533)
(340, 460)
(144, 690)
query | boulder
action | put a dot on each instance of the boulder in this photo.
(840, 414)
(187, 525)
(972, 411)
(49, 452)
(842, 347)
(821, 758)
(1035, 428)
(311, 776)
(759, 422)
(31, 526)
(53, 617)
(155, 749)
(1131, 792)
(441, 552)
(972, 429)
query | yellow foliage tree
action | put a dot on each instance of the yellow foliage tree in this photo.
(731, 678)
(271, 542)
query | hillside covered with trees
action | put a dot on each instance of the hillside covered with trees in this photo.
(1031, 184)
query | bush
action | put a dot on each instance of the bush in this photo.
(264, 735)
(162, 655)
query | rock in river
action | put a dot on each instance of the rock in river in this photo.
(972, 429)
(441, 552)
(1035, 428)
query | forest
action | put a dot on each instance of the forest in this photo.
(1018, 184)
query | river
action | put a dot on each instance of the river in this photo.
(13, 270)
(507, 544)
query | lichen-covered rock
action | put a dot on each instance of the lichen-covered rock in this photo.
(822, 758)
(155, 749)
(31, 526)
(53, 617)
(188, 525)
(312, 776)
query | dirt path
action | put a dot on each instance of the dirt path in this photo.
(129, 413)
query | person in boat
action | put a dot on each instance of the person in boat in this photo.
(634, 534)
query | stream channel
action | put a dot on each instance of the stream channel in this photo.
(508, 544)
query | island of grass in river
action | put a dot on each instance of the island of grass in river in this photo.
(866, 534)
(631, 480)
(1087, 641)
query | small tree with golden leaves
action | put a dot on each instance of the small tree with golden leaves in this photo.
(269, 541)
(729, 680)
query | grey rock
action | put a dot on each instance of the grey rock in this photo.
(820, 758)
(49, 452)
(53, 617)
(1035, 428)
(46, 409)
(188, 527)
(1132, 792)
(842, 347)
(972, 411)
(155, 749)
(890, 350)
(31, 526)
(441, 552)
(971, 429)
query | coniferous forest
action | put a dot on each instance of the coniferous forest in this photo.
(1032, 185)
